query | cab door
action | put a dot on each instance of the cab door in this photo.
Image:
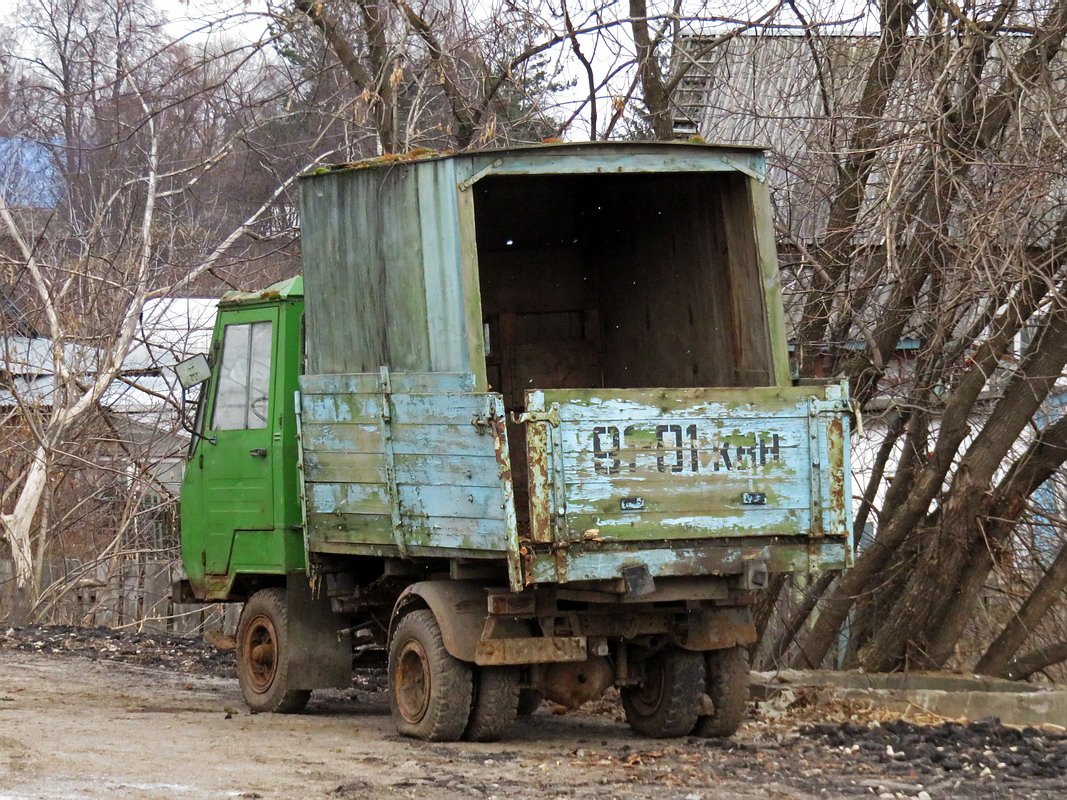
(237, 458)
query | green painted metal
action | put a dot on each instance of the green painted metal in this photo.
(240, 511)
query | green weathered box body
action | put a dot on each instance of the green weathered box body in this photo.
(571, 357)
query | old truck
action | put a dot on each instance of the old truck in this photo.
(525, 428)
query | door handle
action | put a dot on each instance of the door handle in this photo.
(259, 452)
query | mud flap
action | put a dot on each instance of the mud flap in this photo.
(320, 656)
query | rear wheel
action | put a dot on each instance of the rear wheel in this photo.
(727, 686)
(429, 689)
(667, 703)
(263, 655)
(529, 701)
(495, 705)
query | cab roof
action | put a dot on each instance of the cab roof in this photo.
(282, 290)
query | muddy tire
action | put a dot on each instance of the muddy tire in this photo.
(727, 686)
(495, 705)
(529, 701)
(263, 655)
(430, 690)
(667, 703)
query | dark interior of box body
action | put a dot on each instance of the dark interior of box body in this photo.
(621, 281)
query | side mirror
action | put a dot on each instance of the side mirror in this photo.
(192, 371)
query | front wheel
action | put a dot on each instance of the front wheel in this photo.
(263, 655)
(667, 703)
(430, 690)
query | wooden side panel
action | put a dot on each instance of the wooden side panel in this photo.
(363, 261)
(654, 465)
(662, 273)
(408, 472)
(753, 360)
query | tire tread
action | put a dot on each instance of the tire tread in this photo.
(450, 682)
(727, 686)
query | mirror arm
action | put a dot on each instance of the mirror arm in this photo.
(192, 430)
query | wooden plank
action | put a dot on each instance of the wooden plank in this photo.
(440, 409)
(446, 469)
(405, 409)
(331, 467)
(753, 363)
(767, 253)
(376, 529)
(632, 159)
(453, 314)
(714, 558)
(348, 498)
(674, 524)
(421, 469)
(416, 551)
(427, 535)
(461, 502)
(319, 544)
(693, 495)
(402, 382)
(456, 534)
(341, 383)
(648, 404)
(341, 437)
(458, 440)
(341, 407)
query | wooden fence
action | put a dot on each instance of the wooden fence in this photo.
(122, 593)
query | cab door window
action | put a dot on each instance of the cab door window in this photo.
(244, 378)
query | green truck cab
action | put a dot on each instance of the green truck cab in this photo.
(530, 433)
(240, 502)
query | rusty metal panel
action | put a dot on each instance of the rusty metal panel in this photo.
(718, 628)
(583, 561)
(532, 650)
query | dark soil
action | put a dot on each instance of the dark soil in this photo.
(969, 749)
(187, 655)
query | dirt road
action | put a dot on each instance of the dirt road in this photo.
(71, 727)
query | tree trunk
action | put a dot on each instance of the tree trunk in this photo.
(799, 617)
(652, 90)
(904, 636)
(996, 659)
(17, 528)
(854, 173)
(1036, 660)
(1042, 459)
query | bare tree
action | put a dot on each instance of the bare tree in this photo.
(138, 126)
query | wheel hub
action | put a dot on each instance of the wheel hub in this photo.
(412, 682)
(650, 695)
(261, 645)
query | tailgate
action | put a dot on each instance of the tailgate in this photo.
(620, 470)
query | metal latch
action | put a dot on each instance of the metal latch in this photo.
(551, 416)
